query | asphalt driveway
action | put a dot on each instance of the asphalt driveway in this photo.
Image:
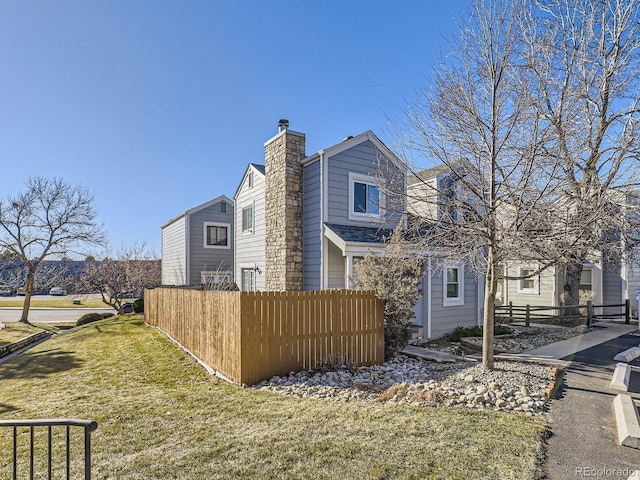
(583, 441)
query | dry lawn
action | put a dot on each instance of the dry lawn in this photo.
(161, 416)
(14, 331)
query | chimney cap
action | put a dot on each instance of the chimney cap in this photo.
(283, 124)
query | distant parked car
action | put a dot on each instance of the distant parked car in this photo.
(21, 292)
(56, 291)
(127, 307)
(7, 291)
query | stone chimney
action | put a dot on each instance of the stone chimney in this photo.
(283, 209)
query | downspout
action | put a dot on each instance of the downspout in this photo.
(429, 298)
(323, 266)
(187, 241)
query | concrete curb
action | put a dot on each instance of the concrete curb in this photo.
(628, 355)
(620, 379)
(627, 421)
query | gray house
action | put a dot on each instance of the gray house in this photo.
(197, 245)
(304, 221)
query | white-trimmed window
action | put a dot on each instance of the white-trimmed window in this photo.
(214, 277)
(223, 207)
(247, 219)
(248, 282)
(216, 235)
(528, 282)
(586, 280)
(250, 179)
(453, 285)
(366, 200)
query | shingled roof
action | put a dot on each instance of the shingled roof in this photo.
(350, 233)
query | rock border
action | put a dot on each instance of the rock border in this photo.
(20, 344)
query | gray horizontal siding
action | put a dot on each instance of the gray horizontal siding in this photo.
(250, 247)
(311, 227)
(544, 295)
(211, 259)
(446, 319)
(336, 267)
(612, 288)
(174, 253)
(361, 159)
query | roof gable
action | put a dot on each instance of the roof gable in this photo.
(198, 208)
(252, 167)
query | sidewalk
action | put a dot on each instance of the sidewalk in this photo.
(583, 439)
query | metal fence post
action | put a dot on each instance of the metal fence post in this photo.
(589, 313)
(510, 312)
(528, 316)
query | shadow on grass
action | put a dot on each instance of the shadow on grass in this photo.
(5, 408)
(39, 364)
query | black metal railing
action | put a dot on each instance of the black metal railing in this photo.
(561, 314)
(88, 426)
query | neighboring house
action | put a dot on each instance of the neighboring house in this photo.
(455, 296)
(601, 282)
(249, 261)
(197, 245)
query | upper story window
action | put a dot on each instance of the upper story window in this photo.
(250, 179)
(453, 285)
(365, 198)
(223, 207)
(247, 219)
(216, 235)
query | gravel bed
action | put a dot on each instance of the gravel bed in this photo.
(521, 340)
(510, 387)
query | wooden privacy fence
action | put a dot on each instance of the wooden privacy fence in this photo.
(252, 336)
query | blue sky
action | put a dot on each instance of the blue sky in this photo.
(158, 106)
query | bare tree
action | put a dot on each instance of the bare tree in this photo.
(133, 270)
(50, 218)
(394, 275)
(487, 198)
(584, 57)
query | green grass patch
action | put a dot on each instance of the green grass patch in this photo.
(14, 331)
(161, 416)
(58, 302)
(461, 332)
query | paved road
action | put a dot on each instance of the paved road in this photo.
(583, 440)
(48, 315)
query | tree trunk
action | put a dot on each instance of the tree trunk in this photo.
(491, 283)
(571, 286)
(28, 287)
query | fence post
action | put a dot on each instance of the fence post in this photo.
(589, 313)
(510, 312)
(626, 311)
(528, 317)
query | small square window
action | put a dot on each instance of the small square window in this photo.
(366, 201)
(528, 282)
(216, 235)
